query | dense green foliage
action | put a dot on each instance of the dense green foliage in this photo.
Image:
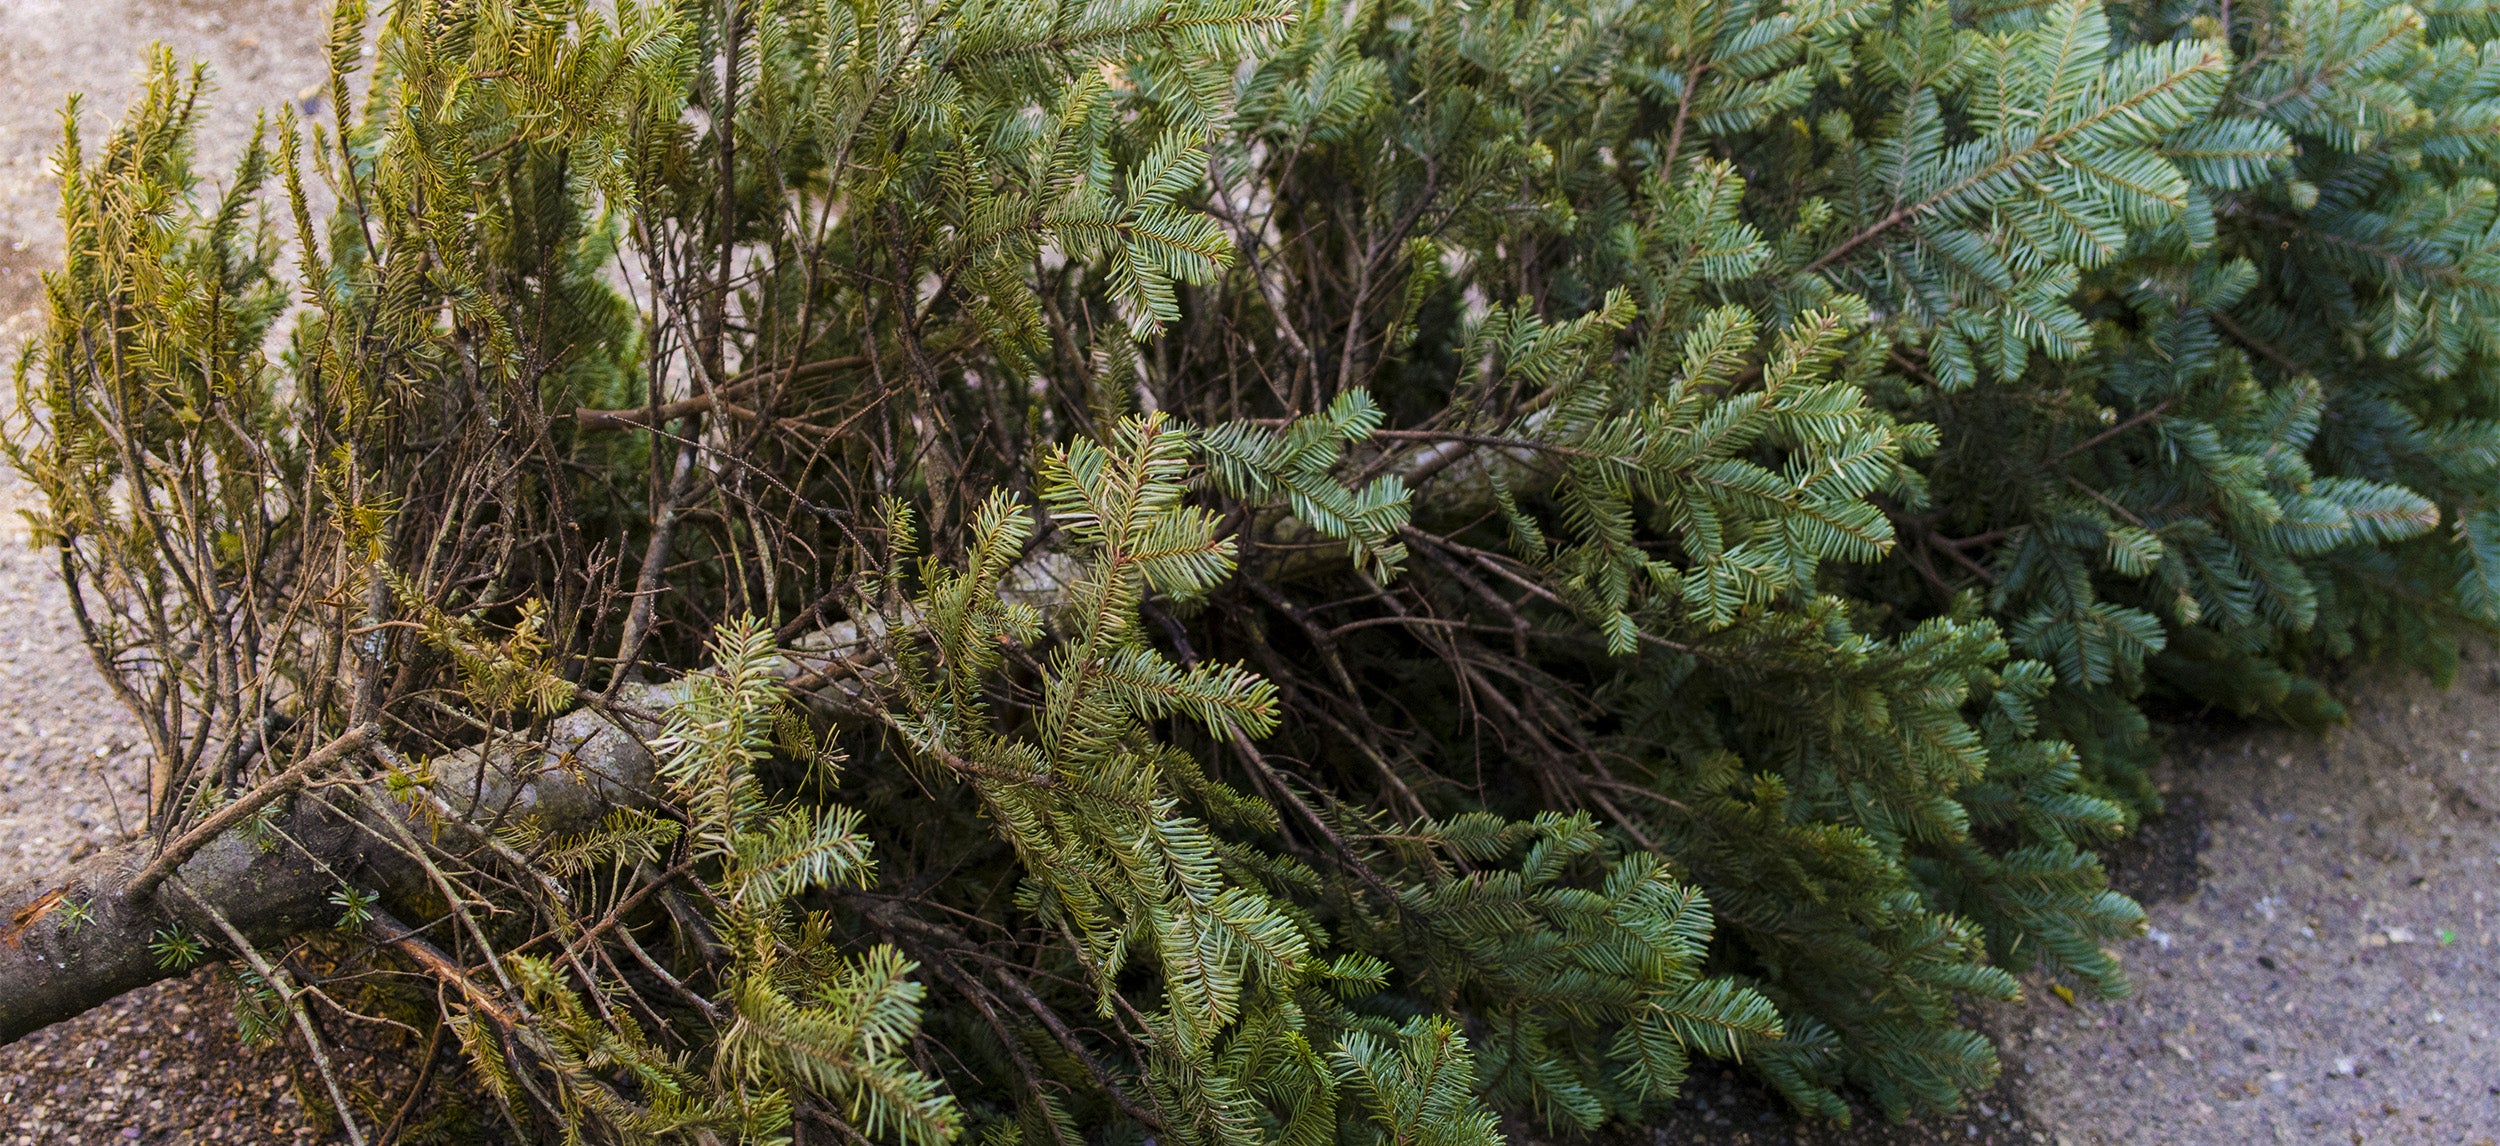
(1371, 562)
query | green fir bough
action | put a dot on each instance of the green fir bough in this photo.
(1369, 566)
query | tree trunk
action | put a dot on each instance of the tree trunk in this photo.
(54, 966)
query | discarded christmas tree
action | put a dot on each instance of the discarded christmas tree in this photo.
(1227, 572)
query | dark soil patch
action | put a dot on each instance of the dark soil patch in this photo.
(2160, 861)
(1723, 1104)
(163, 1066)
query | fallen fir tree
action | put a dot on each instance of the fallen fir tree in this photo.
(1218, 571)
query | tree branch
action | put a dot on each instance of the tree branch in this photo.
(189, 843)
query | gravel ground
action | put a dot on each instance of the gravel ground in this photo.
(163, 1064)
(2334, 976)
(158, 1065)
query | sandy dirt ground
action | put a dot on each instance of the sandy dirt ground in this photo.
(2323, 963)
(2336, 976)
(161, 1065)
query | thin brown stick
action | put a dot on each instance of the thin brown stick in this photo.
(1276, 783)
(1485, 440)
(1945, 545)
(190, 842)
(583, 941)
(589, 419)
(416, 1090)
(2264, 349)
(2107, 501)
(1067, 1041)
(269, 974)
(388, 929)
(2142, 416)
